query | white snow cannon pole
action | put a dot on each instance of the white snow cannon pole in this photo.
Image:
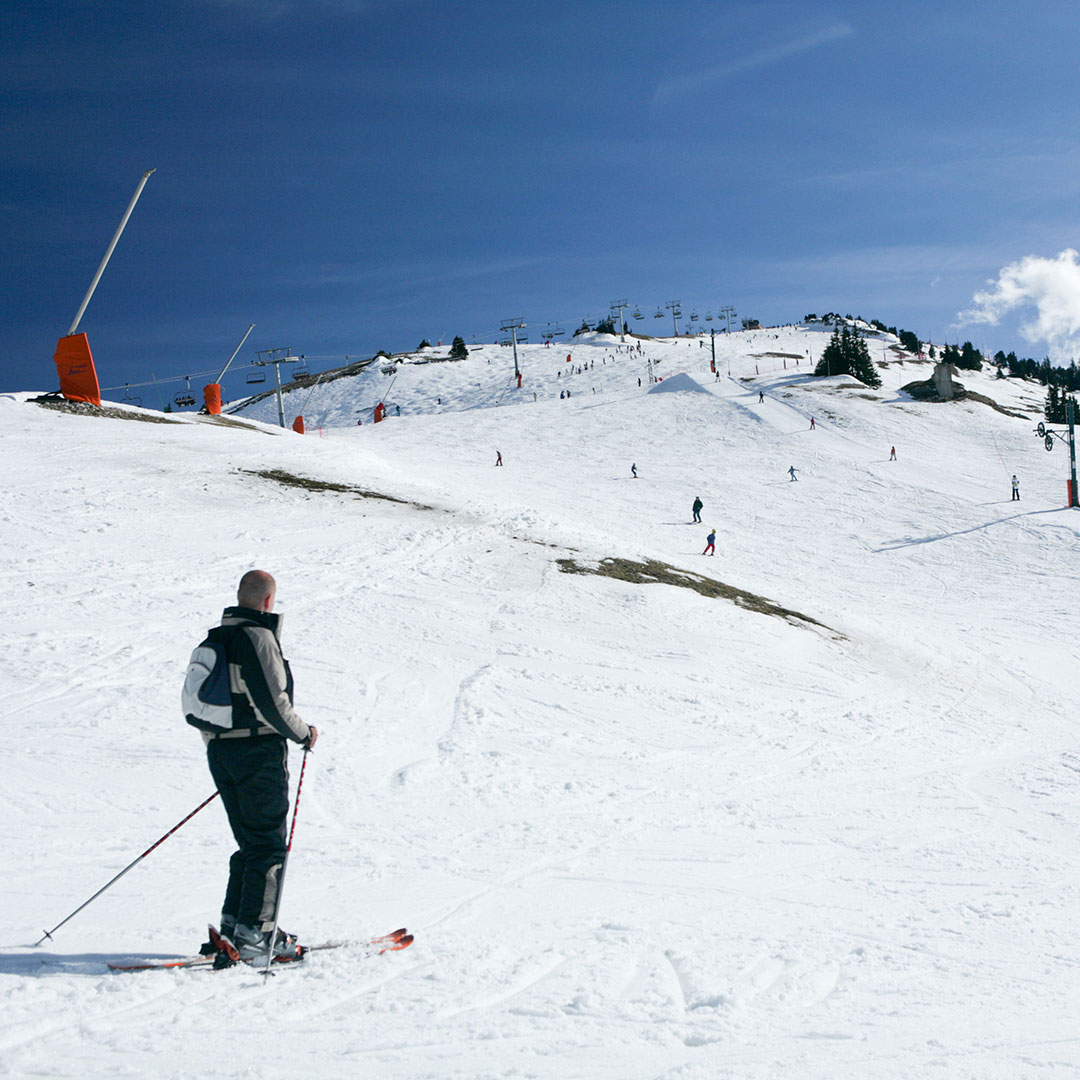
(108, 254)
(235, 351)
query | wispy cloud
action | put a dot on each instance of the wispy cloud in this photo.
(699, 81)
(1051, 286)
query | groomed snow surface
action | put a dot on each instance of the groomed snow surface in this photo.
(638, 832)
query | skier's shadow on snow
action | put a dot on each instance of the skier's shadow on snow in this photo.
(37, 964)
(909, 541)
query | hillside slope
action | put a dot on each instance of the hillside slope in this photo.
(638, 831)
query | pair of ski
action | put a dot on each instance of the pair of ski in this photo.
(392, 942)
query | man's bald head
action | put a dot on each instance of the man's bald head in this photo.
(257, 589)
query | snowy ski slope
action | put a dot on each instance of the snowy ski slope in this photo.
(639, 832)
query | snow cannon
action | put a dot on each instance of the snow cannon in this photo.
(75, 365)
(212, 398)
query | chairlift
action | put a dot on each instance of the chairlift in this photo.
(708, 318)
(300, 373)
(693, 316)
(659, 314)
(254, 377)
(129, 398)
(558, 331)
(637, 314)
(184, 400)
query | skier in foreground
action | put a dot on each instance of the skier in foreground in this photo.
(249, 765)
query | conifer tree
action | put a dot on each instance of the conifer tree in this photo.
(847, 354)
(970, 358)
(457, 349)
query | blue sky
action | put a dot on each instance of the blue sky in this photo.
(352, 176)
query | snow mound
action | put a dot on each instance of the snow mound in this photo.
(682, 381)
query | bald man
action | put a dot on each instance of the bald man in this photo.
(249, 764)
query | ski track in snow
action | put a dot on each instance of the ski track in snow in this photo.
(639, 833)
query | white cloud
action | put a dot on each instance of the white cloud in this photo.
(702, 80)
(1051, 286)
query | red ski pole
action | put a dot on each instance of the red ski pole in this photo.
(285, 863)
(49, 933)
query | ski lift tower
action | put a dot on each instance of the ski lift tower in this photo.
(277, 357)
(1048, 435)
(619, 306)
(728, 313)
(674, 307)
(514, 325)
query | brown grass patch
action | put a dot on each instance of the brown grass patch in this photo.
(307, 483)
(652, 572)
(82, 408)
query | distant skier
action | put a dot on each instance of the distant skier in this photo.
(813, 425)
(710, 544)
(696, 508)
(498, 457)
(892, 454)
(633, 471)
(791, 473)
(760, 396)
(1015, 489)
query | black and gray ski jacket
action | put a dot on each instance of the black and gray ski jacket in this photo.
(259, 677)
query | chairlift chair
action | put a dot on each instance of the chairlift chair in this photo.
(254, 377)
(300, 373)
(637, 314)
(184, 400)
(129, 398)
(659, 314)
(693, 316)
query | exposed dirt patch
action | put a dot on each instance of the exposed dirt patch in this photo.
(659, 573)
(224, 421)
(82, 408)
(307, 483)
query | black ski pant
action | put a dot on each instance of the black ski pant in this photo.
(252, 777)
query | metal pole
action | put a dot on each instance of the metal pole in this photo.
(1074, 501)
(280, 405)
(49, 933)
(513, 338)
(617, 306)
(235, 351)
(108, 254)
(285, 863)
